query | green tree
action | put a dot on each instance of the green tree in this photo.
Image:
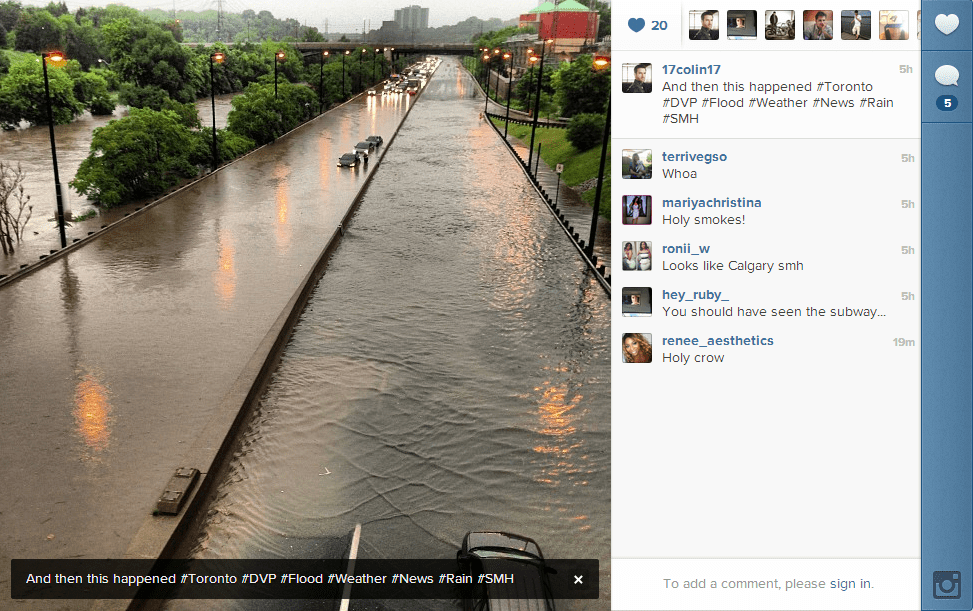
(82, 42)
(10, 14)
(258, 116)
(526, 88)
(90, 89)
(495, 39)
(147, 56)
(143, 154)
(586, 131)
(37, 31)
(22, 94)
(604, 18)
(580, 88)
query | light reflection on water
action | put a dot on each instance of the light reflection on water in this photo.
(450, 373)
(92, 414)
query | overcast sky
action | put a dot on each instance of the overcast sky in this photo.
(341, 15)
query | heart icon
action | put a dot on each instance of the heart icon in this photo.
(946, 23)
(638, 24)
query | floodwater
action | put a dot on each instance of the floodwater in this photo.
(451, 373)
(30, 146)
(114, 357)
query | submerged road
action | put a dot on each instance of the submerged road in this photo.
(451, 372)
(115, 356)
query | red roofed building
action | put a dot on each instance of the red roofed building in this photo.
(571, 24)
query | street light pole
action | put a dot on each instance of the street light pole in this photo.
(496, 88)
(343, 74)
(216, 57)
(54, 56)
(363, 51)
(278, 57)
(321, 84)
(598, 64)
(537, 104)
(486, 59)
(375, 66)
(510, 80)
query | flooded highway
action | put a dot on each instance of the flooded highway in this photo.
(451, 373)
(31, 147)
(116, 355)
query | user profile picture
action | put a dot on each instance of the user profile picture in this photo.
(637, 78)
(741, 25)
(779, 25)
(704, 25)
(893, 25)
(637, 301)
(636, 209)
(637, 347)
(637, 163)
(818, 25)
(637, 255)
(856, 25)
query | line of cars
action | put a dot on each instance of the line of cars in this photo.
(361, 152)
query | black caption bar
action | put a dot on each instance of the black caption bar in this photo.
(306, 579)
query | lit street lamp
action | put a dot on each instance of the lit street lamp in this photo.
(486, 61)
(55, 57)
(278, 57)
(510, 80)
(321, 83)
(537, 103)
(343, 74)
(599, 63)
(363, 51)
(375, 66)
(214, 58)
(496, 89)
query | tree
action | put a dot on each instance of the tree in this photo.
(37, 31)
(10, 14)
(257, 115)
(147, 56)
(143, 154)
(604, 17)
(13, 204)
(91, 90)
(586, 131)
(526, 88)
(580, 88)
(22, 93)
(82, 42)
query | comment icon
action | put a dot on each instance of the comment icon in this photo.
(947, 75)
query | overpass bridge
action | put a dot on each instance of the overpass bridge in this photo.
(397, 49)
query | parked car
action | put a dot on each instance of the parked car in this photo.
(495, 553)
(364, 148)
(377, 140)
(350, 160)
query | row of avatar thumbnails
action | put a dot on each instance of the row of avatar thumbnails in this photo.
(782, 24)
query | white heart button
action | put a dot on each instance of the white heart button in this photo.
(947, 23)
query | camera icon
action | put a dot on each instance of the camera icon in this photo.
(945, 584)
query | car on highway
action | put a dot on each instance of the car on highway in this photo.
(349, 160)
(372, 92)
(377, 140)
(364, 148)
(497, 553)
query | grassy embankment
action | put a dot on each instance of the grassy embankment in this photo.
(578, 167)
